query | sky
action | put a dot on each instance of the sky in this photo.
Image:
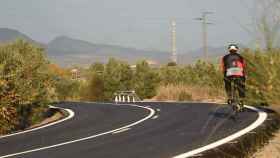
(143, 24)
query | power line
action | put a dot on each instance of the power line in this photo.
(173, 41)
(205, 22)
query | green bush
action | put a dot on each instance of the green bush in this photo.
(24, 82)
(263, 80)
(94, 89)
(145, 80)
(67, 89)
(117, 76)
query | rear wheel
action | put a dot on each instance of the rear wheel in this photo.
(235, 98)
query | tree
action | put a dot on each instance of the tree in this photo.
(145, 80)
(25, 82)
(117, 76)
(172, 63)
(169, 75)
(126, 76)
(263, 77)
(97, 67)
(111, 78)
(24, 71)
(67, 89)
(94, 90)
(266, 23)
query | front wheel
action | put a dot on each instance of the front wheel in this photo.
(236, 108)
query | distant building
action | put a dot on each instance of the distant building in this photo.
(75, 74)
(152, 64)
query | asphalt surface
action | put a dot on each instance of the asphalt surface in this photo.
(174, 129)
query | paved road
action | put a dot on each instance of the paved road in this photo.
(173, 129)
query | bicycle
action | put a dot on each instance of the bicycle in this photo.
(235, 100)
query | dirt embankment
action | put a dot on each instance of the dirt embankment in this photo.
(272, 149)
(57, 115)
(52, 115)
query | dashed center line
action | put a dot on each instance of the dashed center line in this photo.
(155, 117)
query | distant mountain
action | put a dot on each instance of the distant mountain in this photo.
(213, 54)
(8, 35)
(67, 51)
(68, 45)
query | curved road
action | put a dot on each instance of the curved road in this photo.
(155, 130)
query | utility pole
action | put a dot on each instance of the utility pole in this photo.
(173, 41)
(204, 21)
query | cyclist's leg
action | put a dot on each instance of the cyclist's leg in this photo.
(241, 89)
(228, 88)
(235, 93)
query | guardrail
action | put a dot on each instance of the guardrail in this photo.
(126, 97)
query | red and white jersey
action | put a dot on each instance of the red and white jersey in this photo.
(233, 65)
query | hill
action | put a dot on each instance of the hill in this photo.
(214, 53)
(8, 35)
(67, 51)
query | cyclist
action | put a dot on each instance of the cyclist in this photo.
(233, 65)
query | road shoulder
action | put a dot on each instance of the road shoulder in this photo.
(57, 115)
(271, 148)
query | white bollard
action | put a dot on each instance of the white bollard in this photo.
(116, 99)
(128, 98)
(120, 98)
(133, 99)
(123, 98)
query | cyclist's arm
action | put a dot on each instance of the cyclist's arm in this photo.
(244, 66)
(222, 65)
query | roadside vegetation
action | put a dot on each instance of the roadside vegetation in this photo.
(201, 81)
(29, 82)
(25, 85)
(204, 81)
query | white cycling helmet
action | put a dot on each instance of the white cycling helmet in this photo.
(233, 48)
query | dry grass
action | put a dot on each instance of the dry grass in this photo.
(276, 108)
(271, 150)
(182, 92)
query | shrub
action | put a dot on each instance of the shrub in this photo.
(94, 89)
(182, 92)
(24, 80)
(263, 80)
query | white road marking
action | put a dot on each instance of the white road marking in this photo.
(71, 115)
(155, 117)
(158, 110)
(262, 117)
(121, 131)
(152, 112)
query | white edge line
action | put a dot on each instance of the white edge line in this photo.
(71, 114)
(152, 112)
(262, 117)
(121, 131)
